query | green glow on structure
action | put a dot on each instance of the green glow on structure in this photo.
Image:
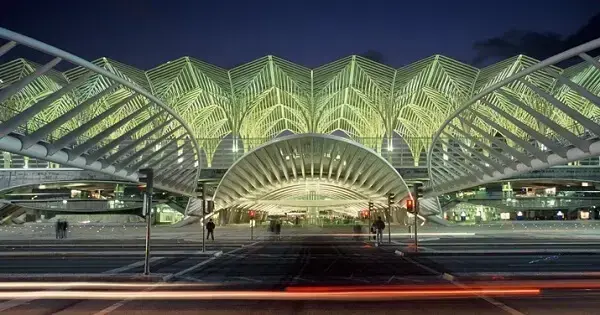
(259, 100)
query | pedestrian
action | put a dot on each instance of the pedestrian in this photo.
(379, 226)
(65, 228)
(272, 226)
(278, 229)
(61, 229)
(210, 227)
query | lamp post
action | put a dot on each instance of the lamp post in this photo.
(147, 209)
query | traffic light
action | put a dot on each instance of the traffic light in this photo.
(410, 205)
(252, 214)
(147, 177)
(371, 206)
(419, 190)
(390, 199)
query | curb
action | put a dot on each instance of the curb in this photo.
(107, 254)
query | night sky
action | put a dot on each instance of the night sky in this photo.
(229, 32)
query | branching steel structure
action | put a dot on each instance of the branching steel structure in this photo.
(523, 120)
(92, 117)
(201, 104)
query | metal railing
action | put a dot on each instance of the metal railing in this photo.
(80, 205)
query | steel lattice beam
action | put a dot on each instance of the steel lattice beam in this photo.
(91, 117)
(530, 118)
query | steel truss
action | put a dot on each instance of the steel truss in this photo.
(99, 119)
(532, 119)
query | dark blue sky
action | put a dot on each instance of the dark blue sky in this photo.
(229, 32)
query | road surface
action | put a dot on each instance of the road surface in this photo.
(301, 263)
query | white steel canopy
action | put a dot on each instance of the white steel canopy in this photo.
(535, 118)
(309, 170)
(101, 119)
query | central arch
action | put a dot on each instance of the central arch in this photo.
(309, 170)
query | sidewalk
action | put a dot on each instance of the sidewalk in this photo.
(528, 229)
(43, 231)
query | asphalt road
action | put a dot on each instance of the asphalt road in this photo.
(309, 262)
(493, 243)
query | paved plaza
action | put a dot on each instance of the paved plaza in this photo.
(193, 232)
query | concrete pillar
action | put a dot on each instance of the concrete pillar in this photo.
(237, 216)
(401, 217)
(224, 216)
(7, 159)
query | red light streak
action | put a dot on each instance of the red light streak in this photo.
(264, 295)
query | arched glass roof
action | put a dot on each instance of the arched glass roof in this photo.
(309, 170)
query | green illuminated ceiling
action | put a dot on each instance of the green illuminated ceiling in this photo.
(367, 100)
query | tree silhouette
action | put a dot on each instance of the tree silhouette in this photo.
(373, 55)
(533, 44)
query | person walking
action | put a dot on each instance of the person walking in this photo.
(379, 226)
(65, 228)
(278, 229)
(210, 227)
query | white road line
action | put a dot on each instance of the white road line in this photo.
(531, 274)
(14, 303)
(169, 277)
(331, 264)
(249, 279)
(191, 279)
(133, 295)
(131, 266)
(303, 279)
(428, 239)
(190, 269)
(450, 278)
(115, 306)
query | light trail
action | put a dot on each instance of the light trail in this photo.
(491, 284)
(96, 285)
(266, 295)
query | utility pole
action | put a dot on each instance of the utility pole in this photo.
(417, 194)
(369, 220)
(147, 209)
(252, 215)
(390, 202)
(203, 221)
